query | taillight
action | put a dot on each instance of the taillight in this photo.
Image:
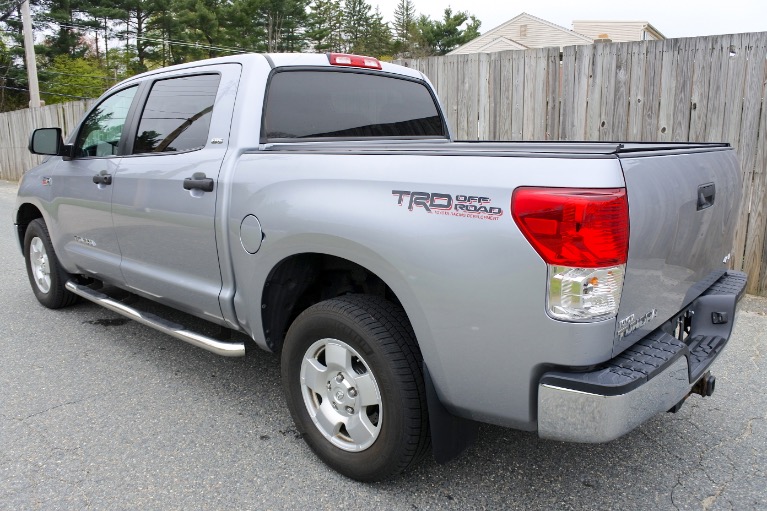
(582, 235)
(344, 59)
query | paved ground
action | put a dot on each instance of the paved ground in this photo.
(99, 412)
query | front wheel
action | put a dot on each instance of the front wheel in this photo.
(46, 276)
(351, 371)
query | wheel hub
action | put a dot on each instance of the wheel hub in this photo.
(341, 395)
(38, 260)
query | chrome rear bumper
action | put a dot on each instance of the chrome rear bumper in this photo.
(576, 416)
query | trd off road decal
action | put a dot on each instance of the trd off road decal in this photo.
(470, 206)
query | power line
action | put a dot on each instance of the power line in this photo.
(43, 92)
(70, 74)
(169, 41)
(54, 84)
(83, 76)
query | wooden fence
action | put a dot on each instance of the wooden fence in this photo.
(705, 89)
(15, 128)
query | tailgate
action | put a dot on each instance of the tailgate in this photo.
(683, 206)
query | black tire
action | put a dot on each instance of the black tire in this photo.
(380, 333)
(56, 295)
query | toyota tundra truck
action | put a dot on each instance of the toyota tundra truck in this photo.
(415, 286)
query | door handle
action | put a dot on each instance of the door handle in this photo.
(198, 181)
(102, 179)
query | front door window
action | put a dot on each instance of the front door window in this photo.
(101, 131)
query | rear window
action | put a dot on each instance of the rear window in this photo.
(333, 104)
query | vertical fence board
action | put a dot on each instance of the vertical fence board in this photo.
(701, 78)
(552, 93)
(733, 96)
(462, 70)
(607, 101)
(669, 62)
(483, 97)
(518, 94)
(622, 80)
(528, 104)
(507, 96)
(433, 73)
(452, 87)
(594, 99)
(652, 89)
(717, 87)
(541, 74)
(473, 98)
(566, 127)
(583, 56)
(683, 90)
(494, 95)
(636, 90)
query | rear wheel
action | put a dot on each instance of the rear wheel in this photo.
(46, 276)
(351, 371)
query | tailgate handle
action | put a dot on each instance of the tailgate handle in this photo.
(706, 196)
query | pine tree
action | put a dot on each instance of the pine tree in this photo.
(356, 25)
(378, 41)
(404, 27)
(324, 25)
(442, 36)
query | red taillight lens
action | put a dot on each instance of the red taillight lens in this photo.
(586, 228)
(343, 59)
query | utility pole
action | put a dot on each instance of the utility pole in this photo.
(29, 51)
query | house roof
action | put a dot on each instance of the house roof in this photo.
(641, 25)
(505, 43)
(491, 38)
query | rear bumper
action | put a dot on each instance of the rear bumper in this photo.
(650, 377)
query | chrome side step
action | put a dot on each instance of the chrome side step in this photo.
(225, 349)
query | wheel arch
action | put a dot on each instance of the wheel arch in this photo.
(302, 279)
(25, 213)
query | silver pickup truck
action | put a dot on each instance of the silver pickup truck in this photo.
(414, 286)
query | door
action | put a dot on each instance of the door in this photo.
(164, 200)
(84, 235)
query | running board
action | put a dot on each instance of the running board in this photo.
(225, 349)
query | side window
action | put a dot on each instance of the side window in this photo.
(177, 115)
(101, 131)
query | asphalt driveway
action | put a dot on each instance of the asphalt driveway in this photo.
(97, 412)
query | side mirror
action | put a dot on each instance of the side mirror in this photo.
(46, 141)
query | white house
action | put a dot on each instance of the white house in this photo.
(528, 31)
(618, 31)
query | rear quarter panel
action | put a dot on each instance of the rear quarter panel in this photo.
(473, 289)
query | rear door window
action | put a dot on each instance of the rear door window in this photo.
(177, 114)
(336, 104)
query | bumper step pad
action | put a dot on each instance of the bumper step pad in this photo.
(654, 353)
(627, 371)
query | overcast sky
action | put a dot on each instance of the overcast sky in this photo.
(674, 18)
